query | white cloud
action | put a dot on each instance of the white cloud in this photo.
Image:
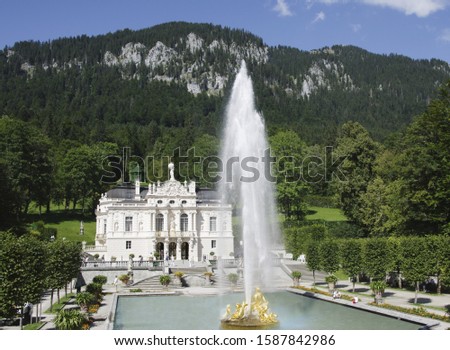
(319, 17)
(445, 35)
(420, 8)
(282, 8)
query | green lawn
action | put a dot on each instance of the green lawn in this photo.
(70, 229)
(314, 213)
(67, 222)
(33, 326)
(64, 299)
(326, 214)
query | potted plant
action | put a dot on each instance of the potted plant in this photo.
(113, 258)
(84, 300)
(296, 275)
(95, 289)
(378, 288)
(124, 279)
(331, 280)
(165, 280)
(96, 256)
(179, 275)
(70, 319)
(100, 279)
(156, 255)
(233, 278)
(208, 275)
(212, 259)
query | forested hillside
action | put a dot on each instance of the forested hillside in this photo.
(67, 104)
(128, 87)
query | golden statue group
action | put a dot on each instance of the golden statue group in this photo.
(258, 314)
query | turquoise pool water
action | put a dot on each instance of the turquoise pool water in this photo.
(204, 312)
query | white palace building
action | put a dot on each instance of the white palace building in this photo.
(170, 219)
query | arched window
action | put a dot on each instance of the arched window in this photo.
(159, 222)
(184, 222)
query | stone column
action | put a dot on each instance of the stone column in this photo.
(197, 250)
(192, 256)
(154, 245)
(194, 222)
(178, 257)
(166, 248)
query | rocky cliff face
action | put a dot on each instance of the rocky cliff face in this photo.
(188, 62)
(205, 64)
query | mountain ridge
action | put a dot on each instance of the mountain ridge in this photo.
(312, 92)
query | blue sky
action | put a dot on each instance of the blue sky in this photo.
(415, 28)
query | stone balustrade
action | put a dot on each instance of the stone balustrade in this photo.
(122, 265)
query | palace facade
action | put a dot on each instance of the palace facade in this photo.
(169, 220)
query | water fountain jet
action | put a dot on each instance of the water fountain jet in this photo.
(247, 183)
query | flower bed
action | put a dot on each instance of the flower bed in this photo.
(418, 311)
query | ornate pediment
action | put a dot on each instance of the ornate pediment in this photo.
(172, 188)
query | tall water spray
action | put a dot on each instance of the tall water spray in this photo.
(247, 182)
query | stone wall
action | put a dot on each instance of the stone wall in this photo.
(138, 275)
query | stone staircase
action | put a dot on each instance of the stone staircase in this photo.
(194, 277)
(220, 280)
(150, 284)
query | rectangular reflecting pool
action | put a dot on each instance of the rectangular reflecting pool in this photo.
(204, 312)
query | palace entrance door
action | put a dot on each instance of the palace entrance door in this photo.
(172, 250)
(185, 251)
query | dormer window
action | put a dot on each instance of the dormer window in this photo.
(159, 202)
(183, 202)
(172, 202)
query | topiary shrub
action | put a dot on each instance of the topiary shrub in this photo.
(233, 278)
(296, 275)
(165, 280)
(124, 278)
(100, 279)
(95, 289)
(378, 288)
(331, 279)
(178, 274)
